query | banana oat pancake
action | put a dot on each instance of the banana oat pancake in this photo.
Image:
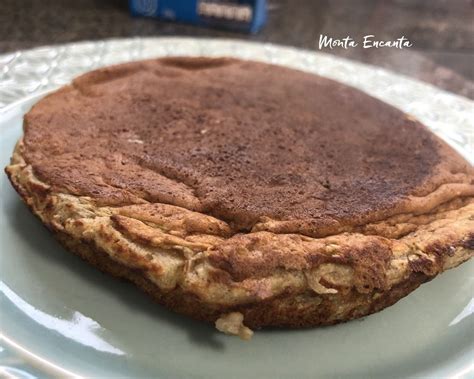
(245, 194)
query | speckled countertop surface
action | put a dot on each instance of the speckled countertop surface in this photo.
(441, 30)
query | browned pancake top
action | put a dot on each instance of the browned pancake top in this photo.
(242, 141)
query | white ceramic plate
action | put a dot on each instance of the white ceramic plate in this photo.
(61, 317)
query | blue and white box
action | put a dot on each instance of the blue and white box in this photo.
(241, 15)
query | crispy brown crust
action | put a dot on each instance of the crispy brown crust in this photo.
(260, 147)
(192, 264)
